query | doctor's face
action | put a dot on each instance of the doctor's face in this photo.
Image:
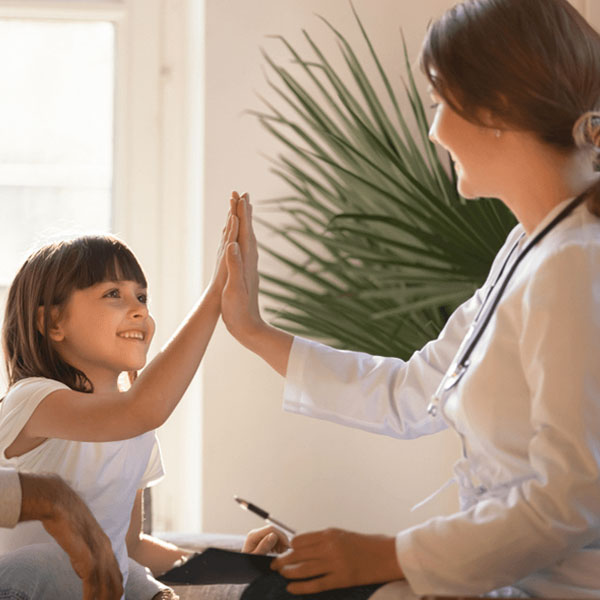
(474, 149)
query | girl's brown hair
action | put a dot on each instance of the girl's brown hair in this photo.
(534, 65)
(46, 280)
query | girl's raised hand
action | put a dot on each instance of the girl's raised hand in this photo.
(228, 235)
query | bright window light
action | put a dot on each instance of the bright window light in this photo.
(56, 145)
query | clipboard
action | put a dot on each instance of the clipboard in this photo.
(215, 565)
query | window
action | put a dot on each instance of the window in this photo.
(57, 133)
(104, 126)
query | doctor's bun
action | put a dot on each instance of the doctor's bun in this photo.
(586, 133)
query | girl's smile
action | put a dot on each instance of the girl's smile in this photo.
(134, 335)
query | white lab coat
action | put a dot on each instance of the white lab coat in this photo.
(527, 412)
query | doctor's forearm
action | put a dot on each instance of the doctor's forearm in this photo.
(271, 344)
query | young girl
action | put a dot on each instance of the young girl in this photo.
(76, 318)
(515, 372)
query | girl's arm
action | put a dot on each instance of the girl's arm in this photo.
(97, 417)
(159, 556)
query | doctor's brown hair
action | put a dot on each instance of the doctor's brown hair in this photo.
(46, 280)
(534, 65)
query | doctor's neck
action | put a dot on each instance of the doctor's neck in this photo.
(544, 179)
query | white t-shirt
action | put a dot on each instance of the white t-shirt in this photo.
(106, 475)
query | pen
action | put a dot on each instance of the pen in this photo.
(263, 514)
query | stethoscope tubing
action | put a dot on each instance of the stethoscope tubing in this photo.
(479, 327)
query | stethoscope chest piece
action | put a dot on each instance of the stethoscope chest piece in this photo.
(452, 377)
(455, 376)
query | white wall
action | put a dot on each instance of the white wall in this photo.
(311, 474)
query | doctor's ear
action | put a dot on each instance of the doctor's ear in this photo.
(55, 332)
(490, 120)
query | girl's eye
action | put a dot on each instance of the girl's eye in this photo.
(143, 298)
(434, 105)
(112, 294)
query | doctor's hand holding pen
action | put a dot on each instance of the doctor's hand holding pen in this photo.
(331, 558)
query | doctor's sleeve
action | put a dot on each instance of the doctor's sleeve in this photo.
(382, 395)
(544, 520)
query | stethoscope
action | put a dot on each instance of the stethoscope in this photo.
(461, 362)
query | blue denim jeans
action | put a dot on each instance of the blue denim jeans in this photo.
(43, 571)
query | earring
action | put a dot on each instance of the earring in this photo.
(498, 133)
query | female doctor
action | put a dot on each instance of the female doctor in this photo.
(516, 370)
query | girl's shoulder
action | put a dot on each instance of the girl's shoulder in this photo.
(17, 407)
(28, 393)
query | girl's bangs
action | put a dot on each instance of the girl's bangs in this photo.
(105, 258)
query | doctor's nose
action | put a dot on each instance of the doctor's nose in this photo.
(432, 134)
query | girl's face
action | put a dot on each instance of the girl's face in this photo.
(105, 329)
(475, 150)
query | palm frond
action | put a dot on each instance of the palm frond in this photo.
(386, 248)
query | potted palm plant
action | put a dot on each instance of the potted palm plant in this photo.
(384, 245)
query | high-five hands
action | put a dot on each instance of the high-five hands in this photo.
(239, 301)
